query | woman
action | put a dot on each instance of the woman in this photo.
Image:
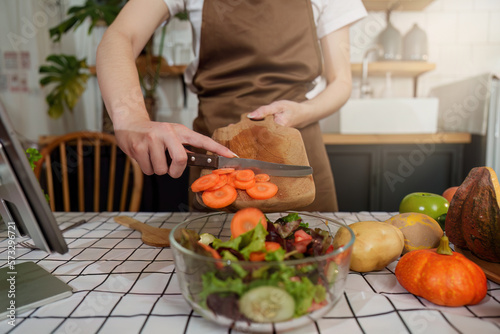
(252, 56)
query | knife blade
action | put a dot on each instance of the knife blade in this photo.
(270, 168)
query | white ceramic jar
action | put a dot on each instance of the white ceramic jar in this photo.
(415, 44)
(391, 41)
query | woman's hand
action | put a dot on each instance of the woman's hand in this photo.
(286, 113)
(148, 143)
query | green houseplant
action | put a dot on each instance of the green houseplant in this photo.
(68, 75)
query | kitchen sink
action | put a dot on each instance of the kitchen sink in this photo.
(384, 116)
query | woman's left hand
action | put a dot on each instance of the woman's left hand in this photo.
(286, 113)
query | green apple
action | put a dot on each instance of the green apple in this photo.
(432, 205)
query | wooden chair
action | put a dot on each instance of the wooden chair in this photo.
(91, 163)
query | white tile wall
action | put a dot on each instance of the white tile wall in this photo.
(494, 27)
(487, 5)
(473, 27)
(464, 40)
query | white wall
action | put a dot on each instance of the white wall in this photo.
(463, 36)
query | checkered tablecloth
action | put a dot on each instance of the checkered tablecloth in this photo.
(124, 286)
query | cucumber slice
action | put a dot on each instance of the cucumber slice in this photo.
(206, 238)
(332, 270)
(267, 304)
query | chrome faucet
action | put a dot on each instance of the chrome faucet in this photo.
(366, 89)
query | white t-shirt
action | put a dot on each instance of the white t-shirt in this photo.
(329, 15)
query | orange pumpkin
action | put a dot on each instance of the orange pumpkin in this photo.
(442, 276)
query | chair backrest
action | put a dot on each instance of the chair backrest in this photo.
(92, 163)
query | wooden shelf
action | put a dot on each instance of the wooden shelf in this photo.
(396, 68)
(424, 138)
(405, 5)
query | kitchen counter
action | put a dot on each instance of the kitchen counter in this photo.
(436, 138)
(123, 285)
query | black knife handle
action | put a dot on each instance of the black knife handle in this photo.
(198, 159)
(202, 160)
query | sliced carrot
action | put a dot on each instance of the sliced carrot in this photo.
(272, 246)
(209, 249)
(246, 219)
(262, 190)
(222, 182)
(219, 198)
(262, 177)
(212, 252)
(244, 184)
(245, 175)
(257, 256)
(230, 178)
(226, 170)
(204, 182)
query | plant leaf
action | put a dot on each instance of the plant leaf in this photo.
(70, 76)
(95, 10)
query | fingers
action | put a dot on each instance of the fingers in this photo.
(135, 149)
(263, 111)
(206, 143)
(179, 160)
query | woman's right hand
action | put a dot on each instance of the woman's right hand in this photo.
(148, 143)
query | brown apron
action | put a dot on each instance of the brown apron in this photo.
(255, 52)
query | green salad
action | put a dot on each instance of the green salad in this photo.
(252, 283)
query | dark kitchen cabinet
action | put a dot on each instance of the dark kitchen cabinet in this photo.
(376, 177)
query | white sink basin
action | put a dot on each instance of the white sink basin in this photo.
(384, 116)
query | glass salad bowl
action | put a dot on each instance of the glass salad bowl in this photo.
(284, 288)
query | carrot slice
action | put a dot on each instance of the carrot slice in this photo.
(220, 183)
(262, 190)
(204, 182)
(246, 219)
(245, 175)
(219, 198)
(257, 256)
(214, 254)
(244, 184)
(230, 178)
(226, 170)
(212, 251)
(272, 246)
(262, 177)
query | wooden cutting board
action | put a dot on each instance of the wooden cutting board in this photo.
(267, 141)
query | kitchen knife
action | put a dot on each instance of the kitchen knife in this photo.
(217, 161)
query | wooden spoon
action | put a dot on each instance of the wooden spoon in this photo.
(152, 236)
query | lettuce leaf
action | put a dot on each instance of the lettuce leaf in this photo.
(246, 243)
(211, 284)
(227, 255)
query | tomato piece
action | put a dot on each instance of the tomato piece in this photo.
(301, 235)
(301, 246)
(257, 256)
(272, 246)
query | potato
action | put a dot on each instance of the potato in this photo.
(376, 245)
(420, 231)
